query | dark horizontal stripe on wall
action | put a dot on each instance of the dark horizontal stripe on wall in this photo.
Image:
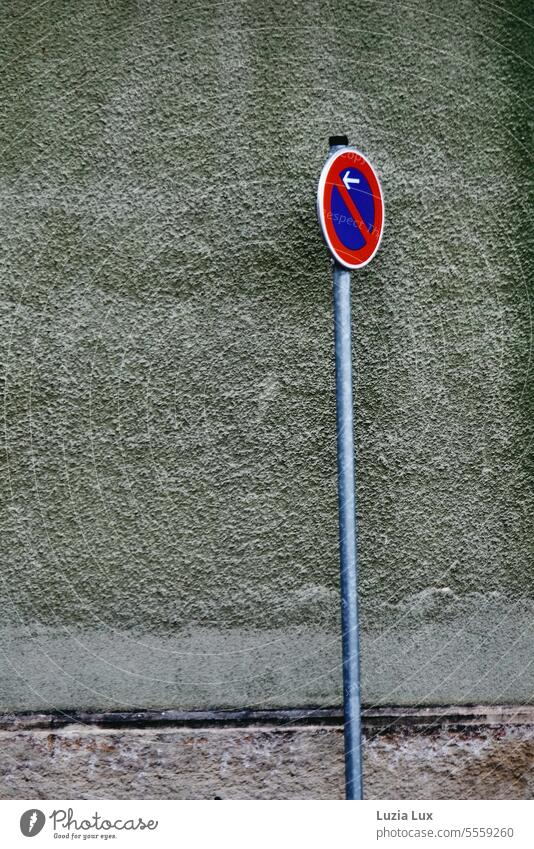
(376, 720)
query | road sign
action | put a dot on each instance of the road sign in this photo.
(350, 207)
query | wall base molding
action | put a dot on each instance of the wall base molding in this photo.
(375, 719)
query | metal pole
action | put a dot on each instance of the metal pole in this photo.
(347, 534)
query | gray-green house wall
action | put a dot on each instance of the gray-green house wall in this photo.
(169, 523)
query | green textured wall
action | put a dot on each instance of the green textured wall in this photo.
(168, 483)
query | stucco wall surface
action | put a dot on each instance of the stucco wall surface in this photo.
(168, 529)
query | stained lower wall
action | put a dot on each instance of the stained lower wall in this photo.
(486, 755)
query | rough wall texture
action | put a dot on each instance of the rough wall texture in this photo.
(169, 523)
(263, 763)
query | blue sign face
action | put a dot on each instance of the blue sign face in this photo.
(345, 226)
(350, 208)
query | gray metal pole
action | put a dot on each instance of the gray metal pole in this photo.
(347, 534)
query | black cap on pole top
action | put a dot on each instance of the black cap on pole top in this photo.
(333, 141)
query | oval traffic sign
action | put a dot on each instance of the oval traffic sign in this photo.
(350, 207)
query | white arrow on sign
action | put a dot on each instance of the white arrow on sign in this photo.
(347, 180)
